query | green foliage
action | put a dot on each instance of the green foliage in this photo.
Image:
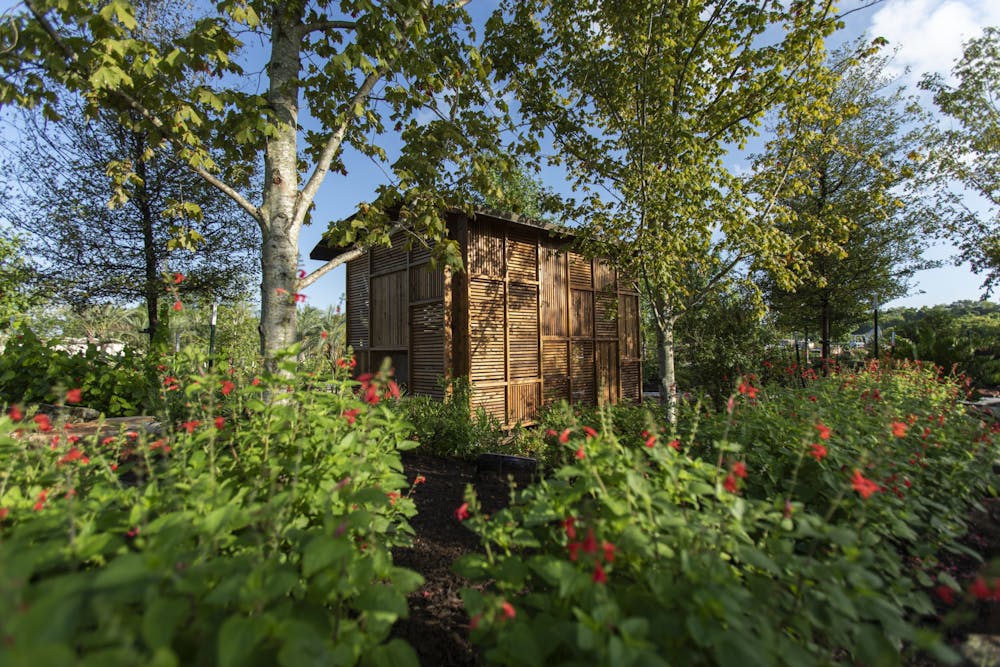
(734, 540)
(968, 149)
(450, 427)
(32, 371)
(255, 529)
(857, 175)
(16, 274)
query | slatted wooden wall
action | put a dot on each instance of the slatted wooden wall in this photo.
(396, 309)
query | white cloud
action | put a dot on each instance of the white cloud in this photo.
(929, 33)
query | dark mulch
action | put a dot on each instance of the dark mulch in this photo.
(438, 626)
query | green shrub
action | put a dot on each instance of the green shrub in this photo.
(32, 372)
(257, 529)
(741, 541)
(449, 427)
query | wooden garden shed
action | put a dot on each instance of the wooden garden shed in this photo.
(529, 321)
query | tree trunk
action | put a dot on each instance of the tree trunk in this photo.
(279, 252)
(824, 327)
(151, 289)
(665, 321)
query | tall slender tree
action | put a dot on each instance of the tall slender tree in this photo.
(644, 102)
(860, 172)
(349, 73)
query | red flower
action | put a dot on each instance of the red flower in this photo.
(300, 298)
(589, 543)
(573, 548)
(899, 429)
(864, 486)
(393, 497)
(818, 451)
(676, 444)
(569, 525)
(170, 383)
(589, 431)
(564, 436)
(178, 278)
(462, 513)
(730, 484)
(740, 469)
(351, 415)
(114, 467)
(74, 396)
(393, 389)
(980, 590)
(749, 390)
(824, 431)
(220, 422)
(420, 479)
(191, 426)
(227, 387)
(323, 335)
(256, 382)
(42, 498)
(609, 552)
(474, 621)
(508, 610)
(44, 424)
(650, 441)
(302, 274)
(3, 513)
(580, 455)
(15, 413)
(177, 305)
(73, 454)
(600, 576)
(371, 394)
(946, 594)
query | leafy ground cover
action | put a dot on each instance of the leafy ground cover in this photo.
(281, 519)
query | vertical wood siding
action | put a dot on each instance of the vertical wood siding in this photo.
(357, 297)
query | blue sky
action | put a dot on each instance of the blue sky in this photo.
(927, 36)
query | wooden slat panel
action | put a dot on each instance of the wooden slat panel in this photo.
(486, 315)
(555, 370)
(419, 255)
(582, 313)
(606, 315)
(631, 380)
(604, 276)
(388, 310)
(628, 309)
(553, 289)
(486, 251)
(426, 283)
(385, 260)
(606, 362)
(580, 272)
(427, 344)
(491, 399)
(582, 368)
(522, 258)
(522, 313)
(522, 402)
(357, 302)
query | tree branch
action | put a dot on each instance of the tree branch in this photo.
(321, 26)
(148, 115)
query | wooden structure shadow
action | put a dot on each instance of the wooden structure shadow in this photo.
(529, 321)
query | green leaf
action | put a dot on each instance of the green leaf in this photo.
(321, 552)
(397, 653)
(161, 619)
(237, 638)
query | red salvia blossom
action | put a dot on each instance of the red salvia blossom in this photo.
(324, 335)
(589, 431)
(862, 485)
(15, 413)
(580, 454)
(899, 429)
(980, 589)
(256, 382)
(170, 383)
(564, 436)
(300, 298)
(740, 469)
(351, 415)
(178, 305)
(508, 610)
(419, 479)
(730, 484)
(227, 387)
(462, 513)
(44, 424)
(946, 594)
(600, 576)
(474, 621)
(42, 498)
(824, 431)
(569, 526)
(74, 454)
(574, 549)
(74, 396)
(748, 390)
(589, 543)
(191, 425)
(371, 394)
(302, 274)
(609, 552)
(393, 497)
(220, 422)
(3, 513)
(675, 444)
(178, 278)
(392, 389)
(650, 441)
(818, 451)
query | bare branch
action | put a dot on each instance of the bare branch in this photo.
(322, 26)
